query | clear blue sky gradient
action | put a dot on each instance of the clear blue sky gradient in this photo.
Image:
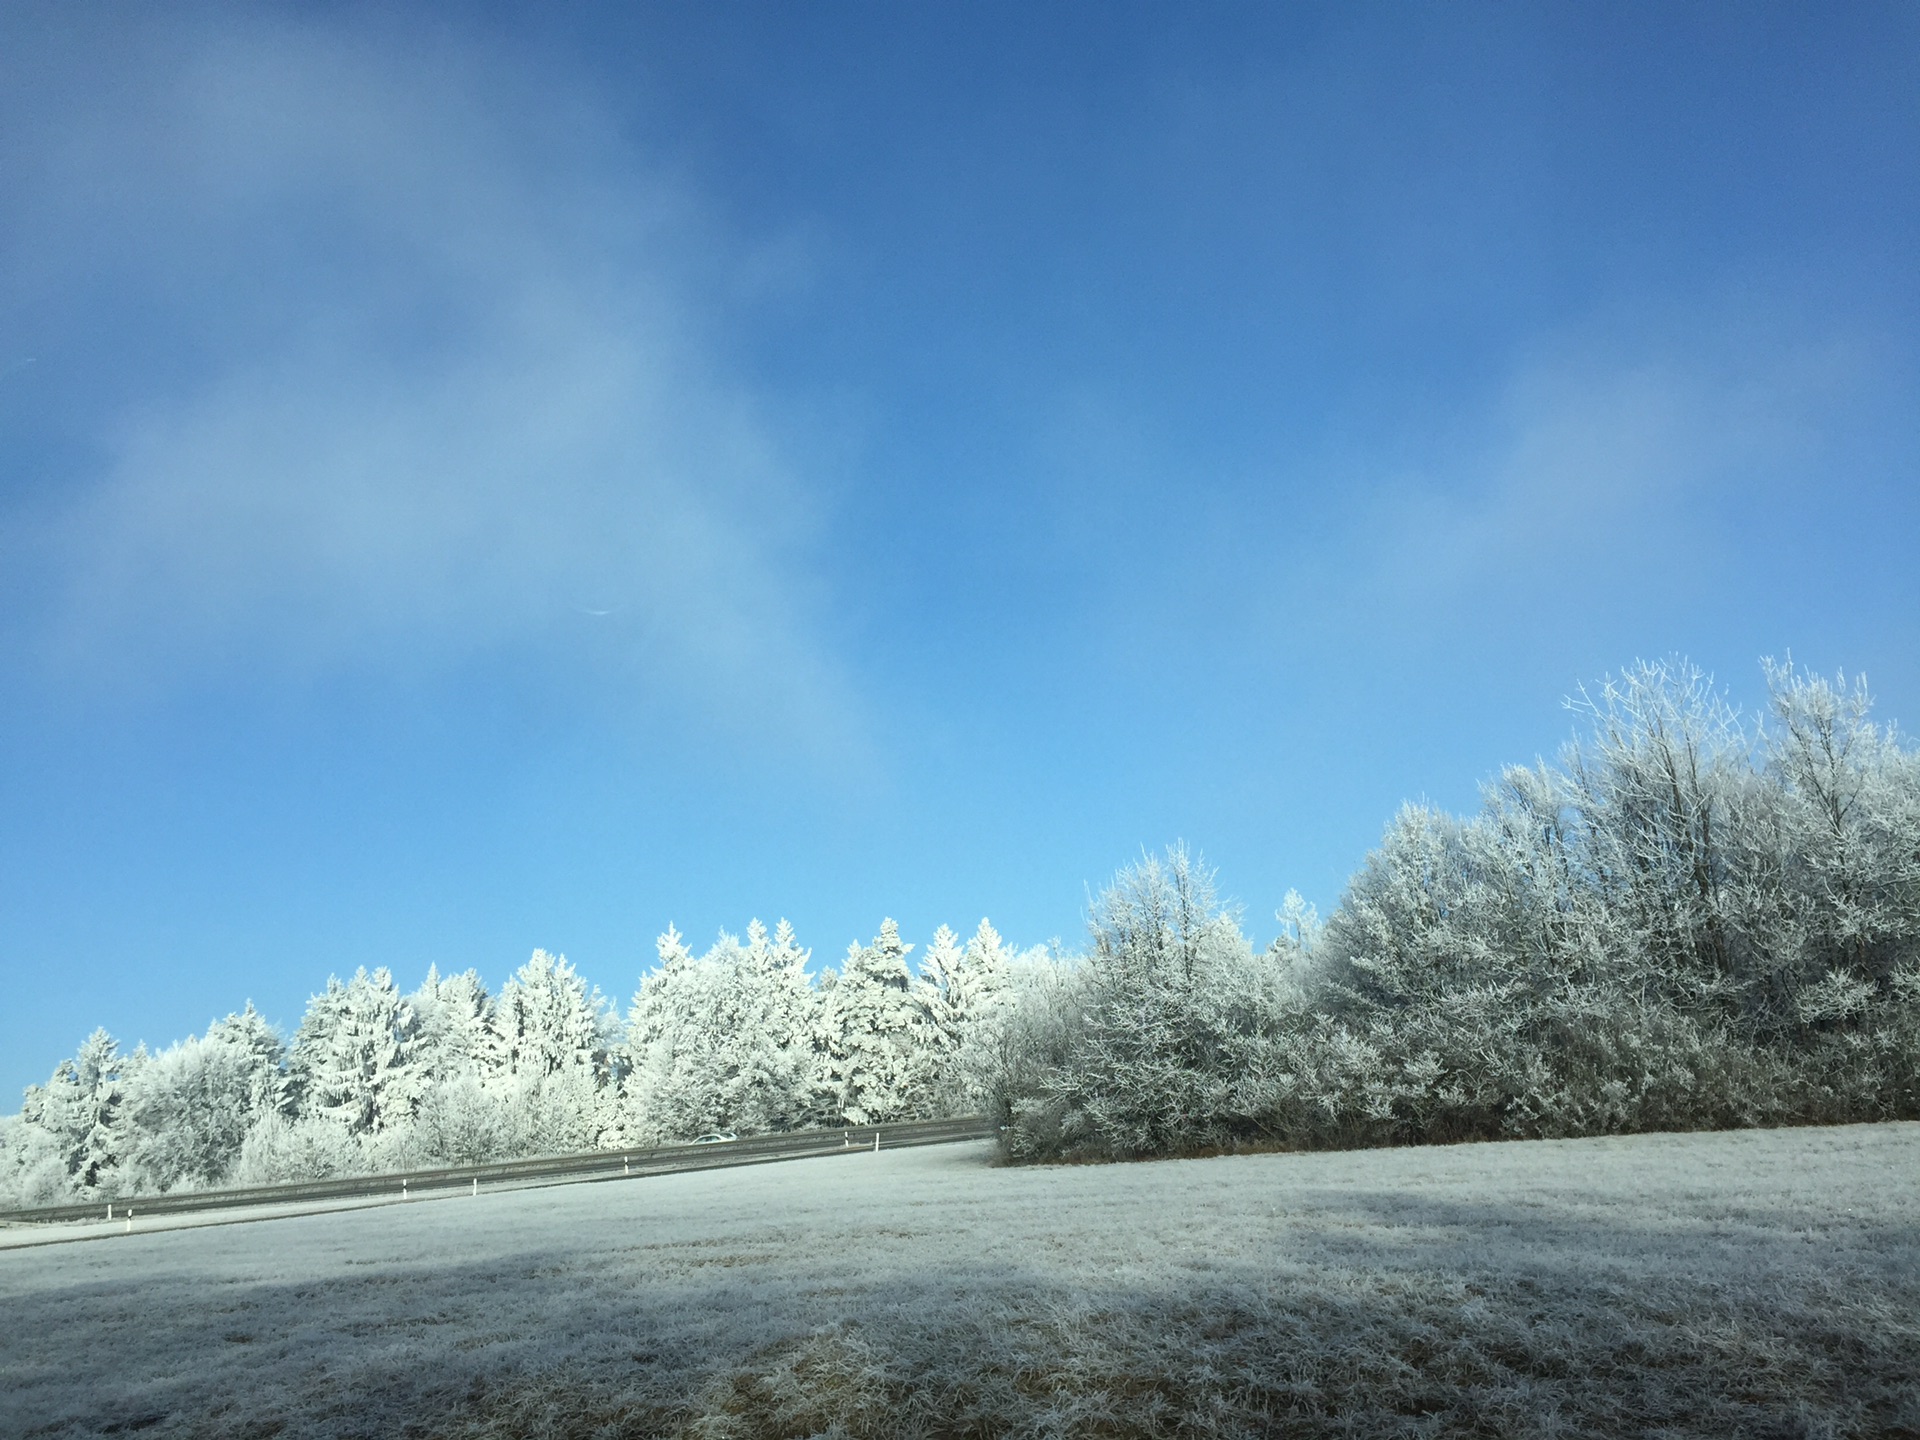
(496, 476)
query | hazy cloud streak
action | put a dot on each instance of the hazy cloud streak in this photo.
(424, 375)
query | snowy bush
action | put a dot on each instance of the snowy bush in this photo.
(277, 1149)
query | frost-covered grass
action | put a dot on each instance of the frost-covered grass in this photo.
(1756, 1282)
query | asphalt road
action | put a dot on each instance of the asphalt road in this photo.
(543, 1170)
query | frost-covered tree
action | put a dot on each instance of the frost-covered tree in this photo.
(1848, 838)
(678, 1035)
(779, 1061)
(454, 1027)
(351, 1060)
(248, 1032)
(1168, 1000)
(561, 1113)
(83, 1106)
(310, 1147)
(32, 1169)
(191, 1106)
(1416, 920)
(1660, 790)
(724, 1041)
(561, 1059)
(463, 1121)
(549, 1020)
(873, 1031)
(963, 993)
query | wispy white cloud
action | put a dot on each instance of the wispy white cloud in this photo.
(419, 373)
(1603, 466)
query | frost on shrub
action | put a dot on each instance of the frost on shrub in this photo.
(277, 1149)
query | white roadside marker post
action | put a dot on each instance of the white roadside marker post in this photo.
(476, 1187)
(129, 1220)
(876, 1142)
(109, 1209)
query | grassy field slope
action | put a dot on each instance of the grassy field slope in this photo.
(1759, 1283)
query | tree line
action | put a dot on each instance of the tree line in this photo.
(743, 1038)
(1690, 919)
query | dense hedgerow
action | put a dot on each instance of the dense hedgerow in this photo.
(1687, 923)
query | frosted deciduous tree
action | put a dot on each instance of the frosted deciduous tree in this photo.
(1849, 837)
(1661, 788)
(191, 1106)
(463, 1121)
(1168, 998)
(1414, 921)
(32, 1169)
(308, 1147)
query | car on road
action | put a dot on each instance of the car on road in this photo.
(715, 1137)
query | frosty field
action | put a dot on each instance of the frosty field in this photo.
(1759, 1282)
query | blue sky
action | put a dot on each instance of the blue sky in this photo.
(493, 477)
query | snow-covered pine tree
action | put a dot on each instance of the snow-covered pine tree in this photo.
(983, 996)
(676, 1035)
(562, 1058)
(455, 1031)
(962, 994)
(937, 991)
(351, 1059)
(785, 1060)
(726, 1042)
(248, 1032)
(83, 1106)
(549, 1020)
(823, 1099)
(873, 1028)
